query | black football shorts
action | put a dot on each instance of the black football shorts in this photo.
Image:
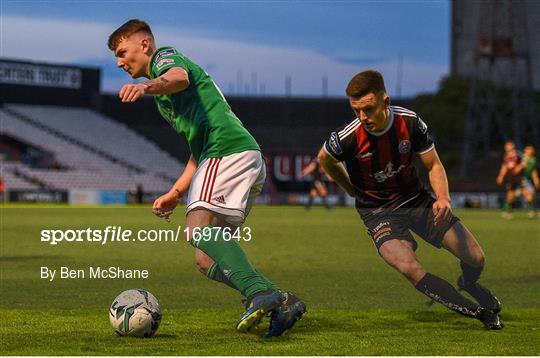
(514, 182)
(417, 216)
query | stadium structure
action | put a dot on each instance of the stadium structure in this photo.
(61, 140)
(497, 45)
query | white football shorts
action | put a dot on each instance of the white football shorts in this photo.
(228, 185)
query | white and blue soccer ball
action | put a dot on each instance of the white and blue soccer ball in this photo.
(136, 313)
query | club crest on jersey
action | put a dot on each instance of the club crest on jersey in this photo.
(333, 142)
(404, 146)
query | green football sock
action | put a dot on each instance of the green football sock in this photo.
(268, 282)
(232, 261)
(215, 273)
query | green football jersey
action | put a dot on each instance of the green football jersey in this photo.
(200, 112)
(530, 165)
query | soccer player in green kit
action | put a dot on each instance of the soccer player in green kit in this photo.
(224, 174)
(530, 183)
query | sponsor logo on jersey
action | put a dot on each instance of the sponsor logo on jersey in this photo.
(404, 146)
(333, 143)
(163, 62)
(227, 273)
(387, 172)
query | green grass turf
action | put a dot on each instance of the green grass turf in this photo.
(357, 305)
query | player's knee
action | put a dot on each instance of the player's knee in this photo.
(411, 269)
(478, 258)
(203, 263)
(202, 267)
(193, 234)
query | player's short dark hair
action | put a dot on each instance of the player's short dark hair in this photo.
(127, 29)
(365, 82)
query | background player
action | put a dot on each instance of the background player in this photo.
(224, 174)
(530, 183)
(377, 148)
(511, 170)
(317, 187)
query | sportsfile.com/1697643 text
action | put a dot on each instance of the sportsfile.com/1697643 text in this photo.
(119, 234)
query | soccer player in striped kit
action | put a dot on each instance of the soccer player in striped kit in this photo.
(511, 169)
(377, 148)
(224, 174)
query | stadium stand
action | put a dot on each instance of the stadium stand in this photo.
(92, 151)
(85, 179)
(67, 153)
(104, 135)
(14, 181)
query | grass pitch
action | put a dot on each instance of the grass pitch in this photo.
(357, 305)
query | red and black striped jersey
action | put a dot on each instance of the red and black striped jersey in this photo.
(512, 160)
(380, 164)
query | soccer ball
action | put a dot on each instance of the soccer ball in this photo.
(135, 313)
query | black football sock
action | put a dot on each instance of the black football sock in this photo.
(326, 202)
(470, 274)
(468, 282)
(444, 293)
(310, 202)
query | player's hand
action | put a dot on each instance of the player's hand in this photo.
(132, 92)
(442, 211)
(164, 205)
(499, 180)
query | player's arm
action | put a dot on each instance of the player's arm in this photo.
(176, 79)
(502, 174)
(165, 204)
(308, 169)
(330, 180)
(439, 184)
(335, 170)
(181, 186)
(536, 181)
(424, 147)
